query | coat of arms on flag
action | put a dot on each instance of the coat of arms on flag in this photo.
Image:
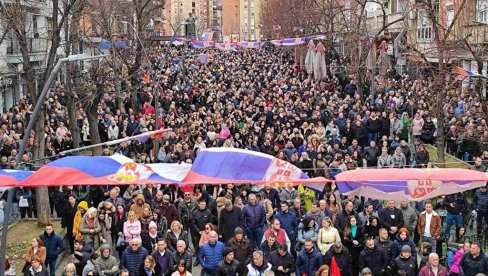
(422, 188)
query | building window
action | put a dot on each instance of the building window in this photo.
(449, 15)
(424, 27)
(482, 11)
(35, 29)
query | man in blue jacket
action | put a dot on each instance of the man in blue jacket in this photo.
(309, 259)
(254, 220)
(210, 254)
(54, 246)
(133, 256)
(288, 221)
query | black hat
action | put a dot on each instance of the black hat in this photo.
(227, 251)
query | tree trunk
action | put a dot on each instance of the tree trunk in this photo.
(42, 194)
(93, 124)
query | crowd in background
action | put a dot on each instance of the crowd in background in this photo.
(254, 99)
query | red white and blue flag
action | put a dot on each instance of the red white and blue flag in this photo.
(408, 184)
(11, 178)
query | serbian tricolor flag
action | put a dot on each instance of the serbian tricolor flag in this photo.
(12, 178)
(227, 46)
(105, 170)
(277, 42)
(207, 35)
(408, 184)
(293, 41)
(461, 73)
(228, 165)
(202, 44)
(250, 45)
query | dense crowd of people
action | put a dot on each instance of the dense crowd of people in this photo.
(254, 99)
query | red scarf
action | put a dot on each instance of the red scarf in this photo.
(334, 268)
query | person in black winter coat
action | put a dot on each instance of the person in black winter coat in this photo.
(228, 266)
(230, 219)
(269, 246)
(374, 258)
(456, 205)
(342, 218)
(282, 261)
(473, 262)
(422, 157)
(405, 262)
(69, 212)
(342, 258)
(391, 218)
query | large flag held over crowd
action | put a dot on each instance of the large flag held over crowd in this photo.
(226, 165)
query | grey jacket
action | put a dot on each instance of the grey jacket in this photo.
(409, 218)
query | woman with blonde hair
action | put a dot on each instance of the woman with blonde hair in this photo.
(176, 233)
(327, 236)
(132, 227)
(69, 270)
(150, 267)
(90, 228)
(204, 237)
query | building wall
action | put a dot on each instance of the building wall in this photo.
(250, 20)
(231, 22)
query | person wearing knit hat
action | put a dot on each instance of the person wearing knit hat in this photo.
(238, 230)
(366, 271)
(229, 265)
(150, 239)
(405, 262)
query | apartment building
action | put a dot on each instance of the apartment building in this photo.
(38, 29)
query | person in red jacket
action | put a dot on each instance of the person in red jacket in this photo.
(433, 268)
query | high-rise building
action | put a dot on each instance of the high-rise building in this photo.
(241, 20)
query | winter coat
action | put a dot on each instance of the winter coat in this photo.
(254, 216)
(229, 221)
(408, 265)
(185, 209)
(267, 250)
(210, 255)
(107, 265)
(169, 212)
(30, 272)
(386, 246)
(90, 238)
(242, 250)
(54, 246)
(288, 222)
(132, 230)
(273, 196)
(68, 217)
(304, 234)
(176, 257)
(228, 269)
(41, 253)
(308, 262)
(163, 260)
(399, 160)
(410, 218)
(156, 270)
(373, 126)
(456, 260)
(90, 266)
(389, 218)
(326, 238)
(342, 219)
(480, 202)
(427, 271)
(397, 245)
(149, 242)
(422, 158)
(375, 259)
(470, 266)
(287, 262)
(342, 259)
(252, 270)
(131, 260)
(25, 193)
(77, 220)
(199, 218)
(396, 128)
(418, 123)
(172, 239)
(435, 224)
(385, 161)
(139, 208)
(288, 195)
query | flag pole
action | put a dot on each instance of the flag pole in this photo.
(118, 141)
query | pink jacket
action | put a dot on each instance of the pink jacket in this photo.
(456, 260)
(132, 230)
